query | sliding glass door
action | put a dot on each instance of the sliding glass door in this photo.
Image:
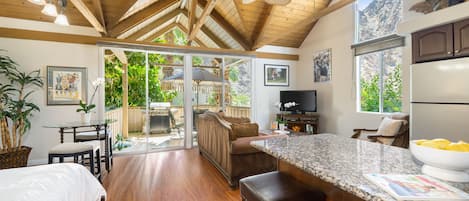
(145, 93)
(165, 101)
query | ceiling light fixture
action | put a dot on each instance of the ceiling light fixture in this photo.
(61, 19)
(49, 9)
(37, 2)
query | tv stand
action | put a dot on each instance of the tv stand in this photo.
(301, 120)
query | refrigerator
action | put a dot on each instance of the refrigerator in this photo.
(440, 100)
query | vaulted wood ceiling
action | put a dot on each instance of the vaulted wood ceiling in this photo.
(228, 24)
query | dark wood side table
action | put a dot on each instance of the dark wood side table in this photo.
(301, 120)
(291, 133)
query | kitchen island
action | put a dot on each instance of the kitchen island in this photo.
(336, 164)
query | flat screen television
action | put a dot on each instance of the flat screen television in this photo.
(306, 100)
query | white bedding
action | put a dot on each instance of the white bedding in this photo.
(55, 182)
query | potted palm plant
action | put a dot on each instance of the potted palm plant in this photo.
(15, 111)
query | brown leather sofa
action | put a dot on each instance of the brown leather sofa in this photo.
(223, 143)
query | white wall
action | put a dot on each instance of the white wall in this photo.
(337, 98)
(266, 96)
(32, 55)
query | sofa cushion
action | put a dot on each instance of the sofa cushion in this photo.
(242, 145)
(245, 130)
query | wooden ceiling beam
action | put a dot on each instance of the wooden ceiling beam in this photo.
(154, 24)
(203, 17)
(98, 10)
(93, 40)
(241, 17)
(140, 17)
(211, 35)
(304, 22)
(261, 25)
(86, 12)
(119, 8)
(220, 20)
(192, 16)
(197, 40)
(160, 32)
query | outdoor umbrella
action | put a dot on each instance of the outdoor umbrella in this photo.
(198, 75)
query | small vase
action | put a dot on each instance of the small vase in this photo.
(281, 126)
(85, 117)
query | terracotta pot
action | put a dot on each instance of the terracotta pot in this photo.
(14, 158)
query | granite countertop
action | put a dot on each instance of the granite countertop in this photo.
(343, 161)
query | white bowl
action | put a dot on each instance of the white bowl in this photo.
(442, 164)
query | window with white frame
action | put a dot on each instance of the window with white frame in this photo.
(378, 55)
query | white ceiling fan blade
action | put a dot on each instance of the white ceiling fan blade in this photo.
(248, 1)
(278, 2)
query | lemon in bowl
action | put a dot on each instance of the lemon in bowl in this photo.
(443, 159)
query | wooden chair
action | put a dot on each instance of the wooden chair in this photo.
(401, 139)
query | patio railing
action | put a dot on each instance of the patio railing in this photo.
(136, 116)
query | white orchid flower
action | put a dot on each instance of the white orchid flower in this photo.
(99, 81)
(290, 104)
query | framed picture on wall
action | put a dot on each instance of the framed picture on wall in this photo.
(66, 85)
(276, 75)
(322, 66)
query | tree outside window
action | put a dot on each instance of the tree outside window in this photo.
(379, 72)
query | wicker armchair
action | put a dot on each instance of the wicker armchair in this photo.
(401, 139)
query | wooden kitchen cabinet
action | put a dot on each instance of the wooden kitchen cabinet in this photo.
(461, 38)
(433, 44)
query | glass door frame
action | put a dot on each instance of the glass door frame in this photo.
(188, 84)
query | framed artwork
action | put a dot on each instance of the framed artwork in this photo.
(276, 75)
(322, 66)
(66, 85)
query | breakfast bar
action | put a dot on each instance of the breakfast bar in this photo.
(337, 164)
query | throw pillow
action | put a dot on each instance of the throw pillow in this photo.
(245, 129)
(389, 127)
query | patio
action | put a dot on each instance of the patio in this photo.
(136, 141)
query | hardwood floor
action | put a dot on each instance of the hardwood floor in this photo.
(174, 175)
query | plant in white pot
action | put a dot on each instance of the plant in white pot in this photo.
(282, 123)
(87, 107)
(15, 111)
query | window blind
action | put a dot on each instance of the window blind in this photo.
(379, 44)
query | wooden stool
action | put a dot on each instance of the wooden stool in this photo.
(277, 186)
(76, 150)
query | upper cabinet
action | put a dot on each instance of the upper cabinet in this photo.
(443, 42)
(433, 44)
(461, 38)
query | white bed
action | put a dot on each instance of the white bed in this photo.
(55, 182)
